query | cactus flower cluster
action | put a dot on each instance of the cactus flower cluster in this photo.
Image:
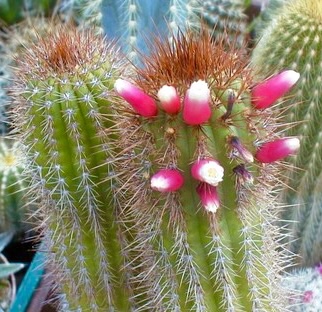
(154, 182)
(196, 110)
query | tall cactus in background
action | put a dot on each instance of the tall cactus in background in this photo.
(134, 21)
(294, 41)
(226, 17)
(155, 196)
(4, 75)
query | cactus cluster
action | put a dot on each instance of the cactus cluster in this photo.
(155, 183)
(293, 40)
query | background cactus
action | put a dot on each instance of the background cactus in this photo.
(293, 40)
(226, 17)
(306, 285)
(14, 11)
(13, 205)
(133, 22)
(98, 165)
(4, 75)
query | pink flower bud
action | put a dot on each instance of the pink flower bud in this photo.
(169, 99)
(278, 149)
(167, 180)
(208, 196)
(207, 170)
(268, 92)
(244, 177)
(196, 105)
(240, 149)
(142, 103)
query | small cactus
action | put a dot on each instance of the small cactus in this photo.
(293, 41)
(13, 210)
(305, 284)
(155, 195)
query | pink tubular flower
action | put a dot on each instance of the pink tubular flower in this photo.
(169, 99)
(208, 196)
(278, 149)
(196, 105)
(167, 180)
(268, 92)
(142, 103)
(207, 170)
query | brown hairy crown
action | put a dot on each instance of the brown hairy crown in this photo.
(60, 50)
(188, 57)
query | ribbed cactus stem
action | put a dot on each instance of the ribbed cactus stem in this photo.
(133, 21)
(293, 41)
(223, 257)
(63, 93)
(149, 208)
(226, 18)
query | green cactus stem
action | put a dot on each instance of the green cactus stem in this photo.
(63, 118)
(294, 41)
(222, 255)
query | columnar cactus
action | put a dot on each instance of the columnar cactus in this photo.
(65, 123)
(294, 41)
(201, 198)
(155, 195)
(133, 21)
